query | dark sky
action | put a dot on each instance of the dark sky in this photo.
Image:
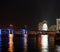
(28, 12)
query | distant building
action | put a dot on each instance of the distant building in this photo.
(58, 24)
(43, 25)
(40, 26)
(52, 28)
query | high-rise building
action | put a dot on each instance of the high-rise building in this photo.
(58, 24)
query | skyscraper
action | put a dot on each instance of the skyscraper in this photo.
(58, 24)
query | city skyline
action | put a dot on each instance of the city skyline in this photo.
(20, 13)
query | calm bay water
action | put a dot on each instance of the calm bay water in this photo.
(24, 43)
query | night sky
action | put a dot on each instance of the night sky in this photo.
(28, 12)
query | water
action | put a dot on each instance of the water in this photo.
(24, 43)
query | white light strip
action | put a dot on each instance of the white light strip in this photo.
(25, 39)
(44, 39)
(25, 42)
(44, 42)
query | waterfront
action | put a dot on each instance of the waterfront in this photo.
(28, 43)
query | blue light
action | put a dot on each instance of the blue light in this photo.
(8, 30)
(0, 31)
(24, 31)
(0, 36)
(24, 39)
(11, 31)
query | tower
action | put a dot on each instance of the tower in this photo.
(58, 24)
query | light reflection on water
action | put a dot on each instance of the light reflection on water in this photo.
(57, 48)
(25, 42)
(11, 43)
(43, 44)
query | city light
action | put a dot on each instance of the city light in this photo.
(45, 27)
(25, 39)
(10, 40)
(44, 39)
